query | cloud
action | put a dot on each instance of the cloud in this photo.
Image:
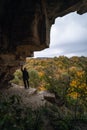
(48, 53)
(68, 37)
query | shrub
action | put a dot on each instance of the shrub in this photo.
(14, 117)
(17, 78)
(34, 78)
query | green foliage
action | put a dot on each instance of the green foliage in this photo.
(61, 125)
(34, 78)
(18, 74)
(17, 78)
(62, 121)
(58, 118)
(66, 77)
(57, 83)
(14, 117)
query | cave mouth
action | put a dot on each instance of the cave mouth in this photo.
(67, 37)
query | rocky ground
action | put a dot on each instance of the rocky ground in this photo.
(33, 98)
(29, 97)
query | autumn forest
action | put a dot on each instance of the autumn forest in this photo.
(66, 78)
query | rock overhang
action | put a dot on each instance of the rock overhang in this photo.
(25, 26)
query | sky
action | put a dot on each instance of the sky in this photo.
(68, 37)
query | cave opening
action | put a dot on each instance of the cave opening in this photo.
(67, 37)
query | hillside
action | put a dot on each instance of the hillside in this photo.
(66, 81)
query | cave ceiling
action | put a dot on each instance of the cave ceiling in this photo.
(25, 24)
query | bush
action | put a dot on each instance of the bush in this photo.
(14, 117)
(34, 78)
(61, 125)
(17, 78)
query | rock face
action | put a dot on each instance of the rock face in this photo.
(25, 26)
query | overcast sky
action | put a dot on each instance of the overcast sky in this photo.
(68, 37)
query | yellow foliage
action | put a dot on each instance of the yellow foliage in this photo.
(41, 88)
(80, 73)
(73, 83)
(74, 95)
(41, 74)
